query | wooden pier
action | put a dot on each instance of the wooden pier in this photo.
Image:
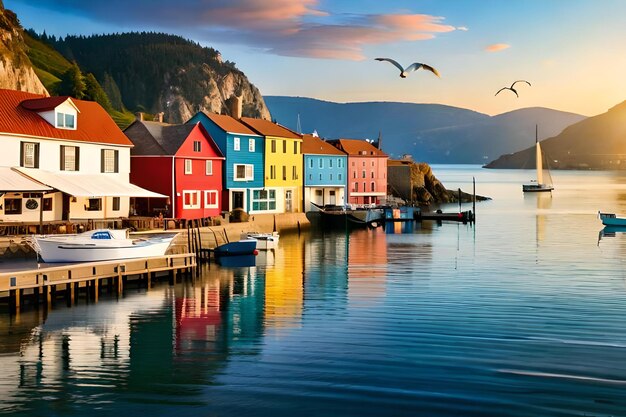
(43, 284)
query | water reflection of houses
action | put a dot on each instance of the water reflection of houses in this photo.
(326, 272)
(367, 265)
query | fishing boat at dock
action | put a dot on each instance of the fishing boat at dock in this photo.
(97, 245)
(265, 241)
(331, 215)
(241, 247)
(611, 219)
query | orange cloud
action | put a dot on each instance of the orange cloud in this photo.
(497, 47)
(413, 22)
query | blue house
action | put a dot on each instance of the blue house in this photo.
(325, 173)
(243, 169)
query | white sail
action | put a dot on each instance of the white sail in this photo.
(539, 164)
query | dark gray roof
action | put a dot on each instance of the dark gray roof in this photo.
(154, 138)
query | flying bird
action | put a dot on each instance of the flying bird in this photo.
(413, 67)
(512, 87)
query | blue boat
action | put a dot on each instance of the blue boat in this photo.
(242, 247)
(610, 219)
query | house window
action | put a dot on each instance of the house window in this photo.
(295, 148)
(116, 204)
(364, 186)
(236, 144)
(364, 174)
(372, 174)
(321, 177)
(210, 199)
(197, 146)
(109, 160)
(273, 146)
(244, 172)
(352, 163)
(191, 199)
(311, 163)
(310, 177)
(30, 155)
(331, 176)
(284, 173)
(188, 167)
(294, 173)
(273, 172)
(353, 174)
(321, 163)
(284, 146)
(65, 120)
(93, 204)
(363, 163)
(330, 163)
(356, 187)
(339, 165)
(373, 186)
(339, 177)
(47, 204)
(69, 158)
(264, 200)
(251, 145)
(208, 168)
(12, 206)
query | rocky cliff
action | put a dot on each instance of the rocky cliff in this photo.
(16, 70)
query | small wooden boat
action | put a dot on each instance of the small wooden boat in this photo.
(265, 241)
(610, 219)
(97, 245)
(333, 216)
(462, 216)
(241, 247)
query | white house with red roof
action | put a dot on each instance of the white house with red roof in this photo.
(62, 159)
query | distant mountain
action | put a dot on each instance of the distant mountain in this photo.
(598, 142)
(432, 133)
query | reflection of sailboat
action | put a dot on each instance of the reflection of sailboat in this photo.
(539, 185)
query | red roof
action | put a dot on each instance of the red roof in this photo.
(229, 124)
(316, 146)
(18, 116)
(267, 128)
(357, 147)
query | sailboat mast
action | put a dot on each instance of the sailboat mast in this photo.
(539, 159)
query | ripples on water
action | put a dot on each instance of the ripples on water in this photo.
(522, 315)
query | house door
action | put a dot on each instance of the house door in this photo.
(238, 198)
(65, 207)
(288, 201)
(333, 199)
(319, 197)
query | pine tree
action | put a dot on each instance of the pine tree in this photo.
(94, 92)
(72, 82)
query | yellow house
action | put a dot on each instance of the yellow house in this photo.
(283, 165)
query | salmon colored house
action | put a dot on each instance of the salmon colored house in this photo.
(367, 171)
(180, 161)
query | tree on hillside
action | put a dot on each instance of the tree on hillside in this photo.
(112, 90)
(72, 82)
(94, 92)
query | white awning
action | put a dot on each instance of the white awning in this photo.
(12, 181)
(87, 185)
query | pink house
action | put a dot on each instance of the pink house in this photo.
(367, 171)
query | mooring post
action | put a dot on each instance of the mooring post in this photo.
(96, 289)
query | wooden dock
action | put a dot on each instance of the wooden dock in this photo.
(43, 284)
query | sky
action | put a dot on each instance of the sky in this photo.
(572, 52)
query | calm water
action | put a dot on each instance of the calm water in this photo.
(522, 315)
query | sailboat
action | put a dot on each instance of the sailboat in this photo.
(539, 185)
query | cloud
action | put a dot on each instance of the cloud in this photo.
(496, 47)
(463, 28)
(282, 27)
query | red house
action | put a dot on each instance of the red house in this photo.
(181, 161)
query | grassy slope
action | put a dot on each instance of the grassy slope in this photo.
(50, 65)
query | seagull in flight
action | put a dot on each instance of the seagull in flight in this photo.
(512, 87)
(413, 67)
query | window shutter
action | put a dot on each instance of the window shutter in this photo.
(21, 154)
(117, 161)
(62, 158)
(36, 155)
(101, 160)
(77, 158)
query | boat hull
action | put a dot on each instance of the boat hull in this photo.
(55, 251)
(242, 247)
(610, 219)
(536, 188)
(265, 241)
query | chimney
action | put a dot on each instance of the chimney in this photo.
(159, 117)
(236, 107)
(139, 116)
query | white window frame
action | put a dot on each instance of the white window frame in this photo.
(109, 161)
(30, 155)
(188, 167)
(192, 193)
(251, 145)
(69, 161)
(236, 144)
(206, 199)
(208, 167)
(61, 120)
(249, 172)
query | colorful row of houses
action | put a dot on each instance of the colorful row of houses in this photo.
(66, 159)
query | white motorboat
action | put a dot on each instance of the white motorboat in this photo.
(97, 245)
(265, 241)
